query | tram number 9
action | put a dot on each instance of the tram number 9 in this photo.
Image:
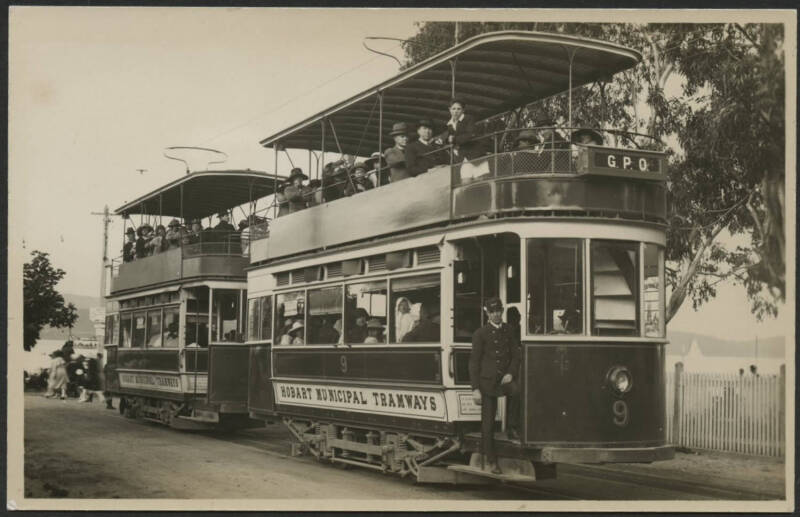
(621, 415)
(343, 363)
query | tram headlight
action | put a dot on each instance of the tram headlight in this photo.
(620, 379)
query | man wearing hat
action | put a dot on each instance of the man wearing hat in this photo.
(224, 224)
(419, 153)
(145, 233)
(526, 139)
(396, 156)
(586, 136)
(493, 369)
(359, 181)
(295, 191)
(334, 179)
(129, 248)
(173, 235)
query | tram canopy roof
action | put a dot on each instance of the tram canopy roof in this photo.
(494, 72)
(205, 193)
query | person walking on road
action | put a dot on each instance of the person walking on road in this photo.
(58, 376)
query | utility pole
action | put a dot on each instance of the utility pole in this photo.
(106, 221)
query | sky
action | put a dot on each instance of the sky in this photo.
(97, 93)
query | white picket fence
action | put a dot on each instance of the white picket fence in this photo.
(727, 412)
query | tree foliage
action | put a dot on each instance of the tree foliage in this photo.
(43, 305)
(724, 132)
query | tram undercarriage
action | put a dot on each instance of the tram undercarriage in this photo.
(426, 459)
(182, 415)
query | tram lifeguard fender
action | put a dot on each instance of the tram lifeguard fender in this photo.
(406, 204)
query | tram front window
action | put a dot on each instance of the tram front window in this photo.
(555, 286)
(197, 321)
(290, 318)
(615, 288)
(324, 310)
(653, 290)
(154, 328)
(171, 327)
(253, 318)
(139, 329)
(225, 316)
(126, 322)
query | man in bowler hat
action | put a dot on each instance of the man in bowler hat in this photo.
(396, 156)
(493, 366)
(295, 192)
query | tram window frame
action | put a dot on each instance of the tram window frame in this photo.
(217, 321)
(349, 313)
(254, 319)
(554, 309)
(111, 333)
(125, 340)
(631, 249)
(415, 307)
(149, 343)
(135, 341)
(653, 328)
(280, 326)
(168, 342)
(199, 313)
(266, 318)
(337, 291)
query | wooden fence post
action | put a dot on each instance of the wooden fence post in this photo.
(677, 405)
(782, 410)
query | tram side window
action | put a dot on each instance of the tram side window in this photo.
(266, 317)
(416, 305)
(125, 328)
(139, 329)
(111, 336)
(225, 316)
(171, 326)
(365, 306)
(653, 290)
(324, 311)
(615, 288)
(290, 318)
(154, 328)
(555, 286)
(253, 318)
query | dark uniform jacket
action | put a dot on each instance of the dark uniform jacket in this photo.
(463, 134)
(417, 159)
(495, 352)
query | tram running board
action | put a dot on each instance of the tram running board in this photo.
(516, 470)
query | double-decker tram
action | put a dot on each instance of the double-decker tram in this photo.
(362, 307)
(175, 324)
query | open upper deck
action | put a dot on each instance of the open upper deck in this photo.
(203, 255)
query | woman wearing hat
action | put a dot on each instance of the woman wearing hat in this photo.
(374, 331)
(129, 248)
(173, 236)
(396, 156)
(357, 332)
(296, 333)
(57, 381)
(334, 176)
(144, 232)
(295, 191)
(159, 242)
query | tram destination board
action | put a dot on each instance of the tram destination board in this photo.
(639, 164)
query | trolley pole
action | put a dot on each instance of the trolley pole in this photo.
(106, 220)
(100, 325)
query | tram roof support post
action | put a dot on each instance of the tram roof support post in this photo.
(571, 55)
(323, 143)
(380, 137)
(275, 187)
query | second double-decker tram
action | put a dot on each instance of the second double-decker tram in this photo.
(175, 319)
(362, 309)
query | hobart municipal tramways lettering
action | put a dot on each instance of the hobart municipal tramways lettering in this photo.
(147, 380)
(366, 399)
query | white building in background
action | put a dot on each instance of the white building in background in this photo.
(696, 361)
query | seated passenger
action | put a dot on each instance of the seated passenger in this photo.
(374, 331)
(526, 139)
(461, 134)
(359, 181)
(375, 163)
(404, 318)
(396, 156)
(295, 192)
(159, 242)
(224, 224)
(585, 136)
(314, 197)
(296, 333)
(420, 154)
(129, 249)
(425, 331)
(357, 332)
(326, 334)
(192, 236)
(334, 176)
(145, 234)
(173, 235)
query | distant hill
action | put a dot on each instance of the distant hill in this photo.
(83, 327)
(679, 343)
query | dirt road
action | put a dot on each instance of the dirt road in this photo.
(75, 450)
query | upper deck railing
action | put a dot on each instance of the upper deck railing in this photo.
(206, 254)
(550, 177)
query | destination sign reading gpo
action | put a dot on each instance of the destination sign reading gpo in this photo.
(631, 161)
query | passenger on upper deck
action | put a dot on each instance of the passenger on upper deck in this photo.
(224, 224)
(295, 192)
(314, 193)
(374, 163)
(174, 234)
(460, 133)
(420, 154)
(280, 200)
(359, 181)
(192, 235)
(334, 176)
(129, 249)
(551, 138)
(158, 243)
(396, 156)
(526, 139)
(145, 234)
(587, 136)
